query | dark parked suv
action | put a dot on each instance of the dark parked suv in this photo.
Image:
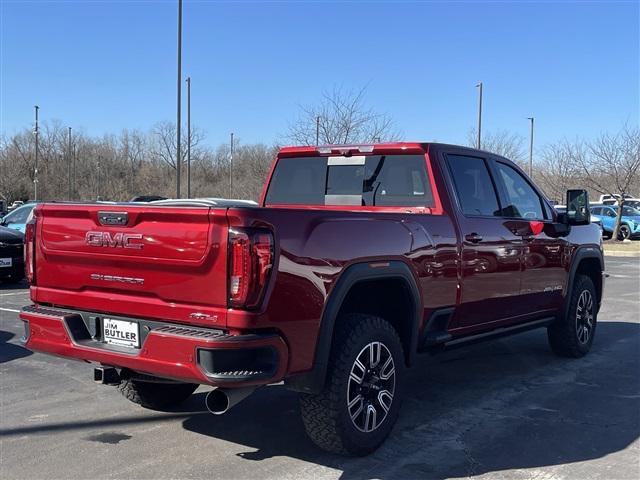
(11, 255)
(357, 259)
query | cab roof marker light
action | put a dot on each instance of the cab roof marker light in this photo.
(343, 149)
(365, 148)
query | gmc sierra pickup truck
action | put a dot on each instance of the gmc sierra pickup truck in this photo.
(356, 259)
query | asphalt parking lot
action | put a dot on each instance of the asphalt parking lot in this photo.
(503, 409)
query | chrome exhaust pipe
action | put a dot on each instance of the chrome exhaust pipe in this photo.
(221, 400)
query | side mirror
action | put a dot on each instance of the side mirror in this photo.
(578, 212)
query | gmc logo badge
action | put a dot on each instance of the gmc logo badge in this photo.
(118, 240)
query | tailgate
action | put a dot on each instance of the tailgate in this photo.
(142, 261)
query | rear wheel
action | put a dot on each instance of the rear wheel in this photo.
(572, 335)
(155, 395)
(361, 398)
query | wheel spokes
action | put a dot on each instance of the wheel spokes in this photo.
(375, 353)
(370, 419)
(385, 398)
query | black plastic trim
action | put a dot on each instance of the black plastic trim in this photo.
(238, 364)
(583, 252)
(498, 333)
(436, 330)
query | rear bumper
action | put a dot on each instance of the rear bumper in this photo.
(167, 350)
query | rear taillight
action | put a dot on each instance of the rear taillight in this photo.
(250, 262)
(29, 251)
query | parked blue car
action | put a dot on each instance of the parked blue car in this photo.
(17, 219)
(630, 226)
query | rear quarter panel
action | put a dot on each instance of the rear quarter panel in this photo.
(314, 247)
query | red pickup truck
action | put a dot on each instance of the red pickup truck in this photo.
(356, 259)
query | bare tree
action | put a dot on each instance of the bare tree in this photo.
(557, 171)
(501, 142)
(164, 144)
(341, 117)
(611, 165)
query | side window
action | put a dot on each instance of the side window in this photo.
(610, 212)
(520, 199)
(596, 211)
(473, 184)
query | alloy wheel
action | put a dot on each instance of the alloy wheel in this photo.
(584, 317)
(371, 387)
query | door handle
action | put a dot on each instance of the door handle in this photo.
(473, 237)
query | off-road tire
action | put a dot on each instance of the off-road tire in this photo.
(563, 334)
(326, 416)
(155, 396)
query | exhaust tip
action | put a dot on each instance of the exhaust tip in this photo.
(221, 400)
(217, 402)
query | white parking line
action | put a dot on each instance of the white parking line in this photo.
(9, 310)
(14, 294)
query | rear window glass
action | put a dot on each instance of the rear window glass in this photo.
(379, 180)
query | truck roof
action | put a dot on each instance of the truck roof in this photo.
(380, 148)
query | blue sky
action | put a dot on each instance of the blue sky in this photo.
(106, 65)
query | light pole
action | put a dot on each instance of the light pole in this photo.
(98, 183)
(69, 160)
(231, 168)
(479, 141)
(188, 137)
(75, 158)
(178, 119)
(531, 149)
(35, 170)
(317, 130)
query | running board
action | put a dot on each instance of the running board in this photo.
(494, 334)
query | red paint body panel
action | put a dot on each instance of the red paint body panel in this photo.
(501, 281)
(165, 355)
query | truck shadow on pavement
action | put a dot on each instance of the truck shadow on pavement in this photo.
(11, 351)
(498, 406)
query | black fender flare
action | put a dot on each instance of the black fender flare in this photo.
(582, 253)
(313, 381)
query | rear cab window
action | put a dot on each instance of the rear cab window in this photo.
(364, 181)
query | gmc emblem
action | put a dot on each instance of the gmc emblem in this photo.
(119, 240)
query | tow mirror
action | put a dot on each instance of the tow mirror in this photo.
(578, 212)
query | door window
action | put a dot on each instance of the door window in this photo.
(519, 199)
(473, 184)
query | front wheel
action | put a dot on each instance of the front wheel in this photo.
(624, 232)
(572, 335)
(360, 402)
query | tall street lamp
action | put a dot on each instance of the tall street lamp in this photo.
(188, 137)
(35, 170)
(531, 148)
(231, 168)
(178, 119)
(69, 159)
(479, 141)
